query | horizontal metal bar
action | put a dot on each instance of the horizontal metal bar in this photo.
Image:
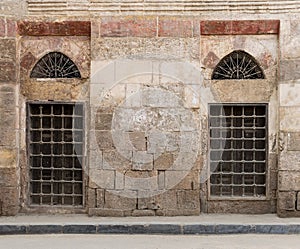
(239, 174)
(238, 185)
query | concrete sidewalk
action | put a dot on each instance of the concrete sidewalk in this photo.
(203, 224)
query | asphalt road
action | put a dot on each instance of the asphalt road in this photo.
(149, 242)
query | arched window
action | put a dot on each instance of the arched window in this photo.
(55, 65)
(238, 65)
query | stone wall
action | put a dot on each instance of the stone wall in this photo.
(37, 39)
(146, 86)
(150, 88)
(9, 165)
(289, 160)
(144, 140)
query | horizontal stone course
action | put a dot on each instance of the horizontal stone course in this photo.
(146, 228)
(66, 28)
(128, 27)
(178, 27)
(245, 27)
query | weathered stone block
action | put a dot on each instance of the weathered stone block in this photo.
(289, 70)
(156, 97)
(175, 27)
(289, 94)
(160, 48)
(192, 96)
(138, 140)
(141, 180)
(113, 159)
(95, 159)
(286, 201)
(106, 212)
(8, 177)
(289, 181)
(133, 71)
(294, 141)
(119, 180)
(56, 90)
(289, 160)
(167, 200)
(7, 137)
(188, 199)
(142, 161)
(164, 161)
(102, 178)
(133, 91)
(7, 71)
(177, 212)
(161, 179)
(227, 91)
(240, 207)
(115, 201)
(7, 158)
(128, 27)
(103, 121)
(149, 203)
(7, 88)
(273, 180)
(9, 197)
(104, 139)
(253, 27)
(143, 213)
(177, 71)
(100, 198)
(7, 103)
(182, 179)
(65, 28)
(289, 119)
(11, 28)
(91, 197)
(8, 50)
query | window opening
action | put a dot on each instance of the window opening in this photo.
(55, 135)
(238, 150)
(238, 65)
(55, 65)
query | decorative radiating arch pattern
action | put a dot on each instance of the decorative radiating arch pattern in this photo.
(238, 65)
(55, 65)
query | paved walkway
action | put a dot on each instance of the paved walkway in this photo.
(89, 241)
(203, 224)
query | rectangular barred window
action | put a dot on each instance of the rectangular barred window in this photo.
(238, 150)
(55, 134)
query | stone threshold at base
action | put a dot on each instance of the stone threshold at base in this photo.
(203, 224)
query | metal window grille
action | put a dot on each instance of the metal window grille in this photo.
(238, 65)
(238, 147)
(55, 65)
(56, 137)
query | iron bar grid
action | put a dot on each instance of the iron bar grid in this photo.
(55, 140)
(238, 65)
(238, 150)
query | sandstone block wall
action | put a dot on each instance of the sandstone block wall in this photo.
(289, 90)
(9, 165)
(35, 41)
(146, 86)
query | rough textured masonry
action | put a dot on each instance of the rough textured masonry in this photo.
(149, 108)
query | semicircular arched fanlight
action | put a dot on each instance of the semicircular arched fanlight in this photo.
(238, 65)
(55, 65)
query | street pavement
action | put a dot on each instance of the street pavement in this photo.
(81, 241)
